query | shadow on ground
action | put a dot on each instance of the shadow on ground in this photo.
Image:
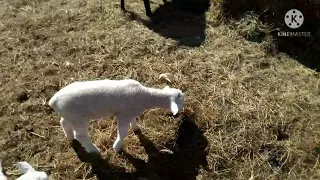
(305, 50)
(101, 168)
(187, 153)
(184, 24)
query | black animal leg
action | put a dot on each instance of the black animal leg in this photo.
(122, 5)
(147, 7)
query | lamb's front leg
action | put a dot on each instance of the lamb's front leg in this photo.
(123, 127)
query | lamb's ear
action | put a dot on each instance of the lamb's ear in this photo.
(166, 87)
(25, 167)
(174, 108)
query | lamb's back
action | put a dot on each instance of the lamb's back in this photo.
(93, 98)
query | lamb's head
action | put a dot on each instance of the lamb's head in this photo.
(176, 98)
(30, 173)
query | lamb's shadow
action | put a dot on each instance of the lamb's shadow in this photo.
(100, 167)
(185, 26)
(189, 154)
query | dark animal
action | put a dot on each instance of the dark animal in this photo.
(146, 5)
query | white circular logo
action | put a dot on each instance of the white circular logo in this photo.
(293, 18)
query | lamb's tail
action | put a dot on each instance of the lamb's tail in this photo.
(52, 102)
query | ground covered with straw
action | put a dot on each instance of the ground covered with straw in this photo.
(251, 111)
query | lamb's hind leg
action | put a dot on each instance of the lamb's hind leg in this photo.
(81, 133)
(67, 128)
(123, 127)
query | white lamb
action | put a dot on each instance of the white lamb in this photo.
(29, 173)
(2, 176)
(126, 99)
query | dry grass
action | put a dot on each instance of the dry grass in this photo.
(248, 113)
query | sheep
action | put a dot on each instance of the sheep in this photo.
(2, 176)
(146, 6)
(81, 101)
(29, 173)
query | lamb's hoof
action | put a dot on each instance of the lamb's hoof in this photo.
(136, 130)
(94, 153)
(121, 152)
(117, 148)
(138, 133)
(93, 150)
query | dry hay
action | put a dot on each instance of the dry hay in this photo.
(250, 112)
